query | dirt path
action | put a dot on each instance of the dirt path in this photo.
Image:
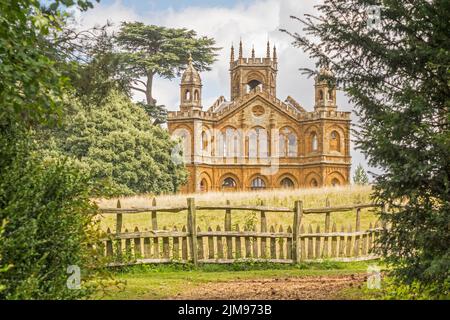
(292, 288)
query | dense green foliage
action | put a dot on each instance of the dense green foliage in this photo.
(45, 204)
(49, 224)
(3, 268)
(149, 50)
(97, 68)
(397, 76)
(117, 145)
(30, 84)
(360, 177)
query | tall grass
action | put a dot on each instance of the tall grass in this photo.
(312, 198)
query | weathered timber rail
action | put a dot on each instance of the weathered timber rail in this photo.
(190, 244)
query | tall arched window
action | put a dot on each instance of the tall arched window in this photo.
(220, 144)
(320, 95)
(287, 183)
(196, 95)
(287, 143)
(187, 95)
(185, 141)
(258, 183)
(335, 143)
(314, 142)
(230, 143)
(205, 142)
(257, 143)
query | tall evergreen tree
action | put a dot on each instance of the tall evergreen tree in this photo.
(395, 69)
(360, 177)
(149, 50)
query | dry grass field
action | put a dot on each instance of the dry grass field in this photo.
(312, 198)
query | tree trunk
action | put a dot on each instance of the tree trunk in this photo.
(148, 91)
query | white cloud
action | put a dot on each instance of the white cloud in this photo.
(255, 23)
(101, 14)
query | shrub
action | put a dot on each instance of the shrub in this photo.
(118, 146)
(49, 225)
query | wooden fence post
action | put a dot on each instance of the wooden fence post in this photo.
(298, 212)
(192, 229)
(118, 219)
(119, 229)
(154, 228)
(357, 229)
(326, 240)
(263, 229)
(228, 228)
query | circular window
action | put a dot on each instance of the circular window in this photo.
(258, 111)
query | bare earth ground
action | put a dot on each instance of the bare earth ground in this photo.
(292, 288)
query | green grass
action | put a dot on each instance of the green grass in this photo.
(163, 281)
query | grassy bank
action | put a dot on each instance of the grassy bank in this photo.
(311, 198)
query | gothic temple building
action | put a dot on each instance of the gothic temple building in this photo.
(256, 141)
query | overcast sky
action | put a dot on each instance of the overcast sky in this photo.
(227, 21)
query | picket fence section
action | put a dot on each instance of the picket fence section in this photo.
(191, 244)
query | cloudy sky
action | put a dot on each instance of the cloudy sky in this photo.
(255, 21)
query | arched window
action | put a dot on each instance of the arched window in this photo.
(196, 95)
(254, 85)
(314, 183)
(257, 143)
(335, 143)
(287, 143)
(230, 143)
(205, 142)
(335, 182)
(258, 183)
(287, 183)
(203, 185)
(187, 95)
(330, 94)
(185, 141)
(320, 95)
(229, 183)
(314, 142)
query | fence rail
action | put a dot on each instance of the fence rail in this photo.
(191, 244)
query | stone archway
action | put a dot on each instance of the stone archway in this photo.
(313, 180)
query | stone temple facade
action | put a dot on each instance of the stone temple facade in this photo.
(256, 141)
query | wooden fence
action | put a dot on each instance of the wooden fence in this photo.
(191, 244)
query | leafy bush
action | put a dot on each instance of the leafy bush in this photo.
(49, 225)
(116, 143)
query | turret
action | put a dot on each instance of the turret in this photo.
(249, 74)
(190, 89)
(325, 91)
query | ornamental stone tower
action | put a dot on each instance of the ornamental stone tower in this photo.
(325, 96)
(190, 89)
(247, 74)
